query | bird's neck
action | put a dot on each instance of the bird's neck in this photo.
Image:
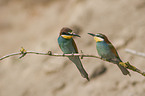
(98, 39)
(66, 36)
(100, 42)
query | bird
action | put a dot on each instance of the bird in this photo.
(107, 51)
(68, 46)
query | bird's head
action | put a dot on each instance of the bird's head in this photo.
(67, 33)
(98, 37)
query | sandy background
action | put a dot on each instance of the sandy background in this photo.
(35, 25)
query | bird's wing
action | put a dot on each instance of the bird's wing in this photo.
(74, 45)
(112, 48)
(59, 42)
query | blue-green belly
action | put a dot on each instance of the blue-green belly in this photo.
(104, 50)
(66, 45)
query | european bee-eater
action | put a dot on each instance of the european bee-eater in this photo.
(107, 51)
(68, 46)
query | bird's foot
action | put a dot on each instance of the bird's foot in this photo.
(63, 54)
(82, 54)
(109, 60)
(72, 54)
(103, 58)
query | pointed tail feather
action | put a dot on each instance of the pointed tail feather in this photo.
(77, 62)
(124, 70)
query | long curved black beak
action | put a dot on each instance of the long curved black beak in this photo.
(91, 34)
(74, 34)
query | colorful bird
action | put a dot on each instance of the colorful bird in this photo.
(107, 51)
(68, 46)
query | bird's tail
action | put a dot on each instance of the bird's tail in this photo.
(77, 62)
(124, 70)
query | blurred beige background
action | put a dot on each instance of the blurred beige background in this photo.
(35, 25)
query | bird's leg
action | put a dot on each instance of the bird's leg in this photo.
(72, 54)
(63, 54)
(81, 54)
(109, 60)
(105, 59)
(49, 52)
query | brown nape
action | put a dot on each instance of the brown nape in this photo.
(102, 35)
(105, 38)
(108, 42)
(65, 29)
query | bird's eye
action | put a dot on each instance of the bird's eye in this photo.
(64, 33)
(100, 36)
(69, 32)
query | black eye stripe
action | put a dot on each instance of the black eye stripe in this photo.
(67, 33)
(64, 33)
(100, 36)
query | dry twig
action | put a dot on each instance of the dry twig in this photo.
(23, 53)
(135, 52)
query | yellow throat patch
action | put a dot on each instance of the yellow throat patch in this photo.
(98, 39)
(66, 36)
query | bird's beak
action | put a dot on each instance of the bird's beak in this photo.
(74, 34)
(91, 34)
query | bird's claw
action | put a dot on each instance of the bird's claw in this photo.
(63, 54)
(72, 54)
(81, 54)
(105, 59)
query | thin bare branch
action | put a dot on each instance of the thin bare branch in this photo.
(9, 55)
(52, 54)
(135, 52)
(23, 53)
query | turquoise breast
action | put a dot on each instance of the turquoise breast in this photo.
(104, 50)
(66, 45)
